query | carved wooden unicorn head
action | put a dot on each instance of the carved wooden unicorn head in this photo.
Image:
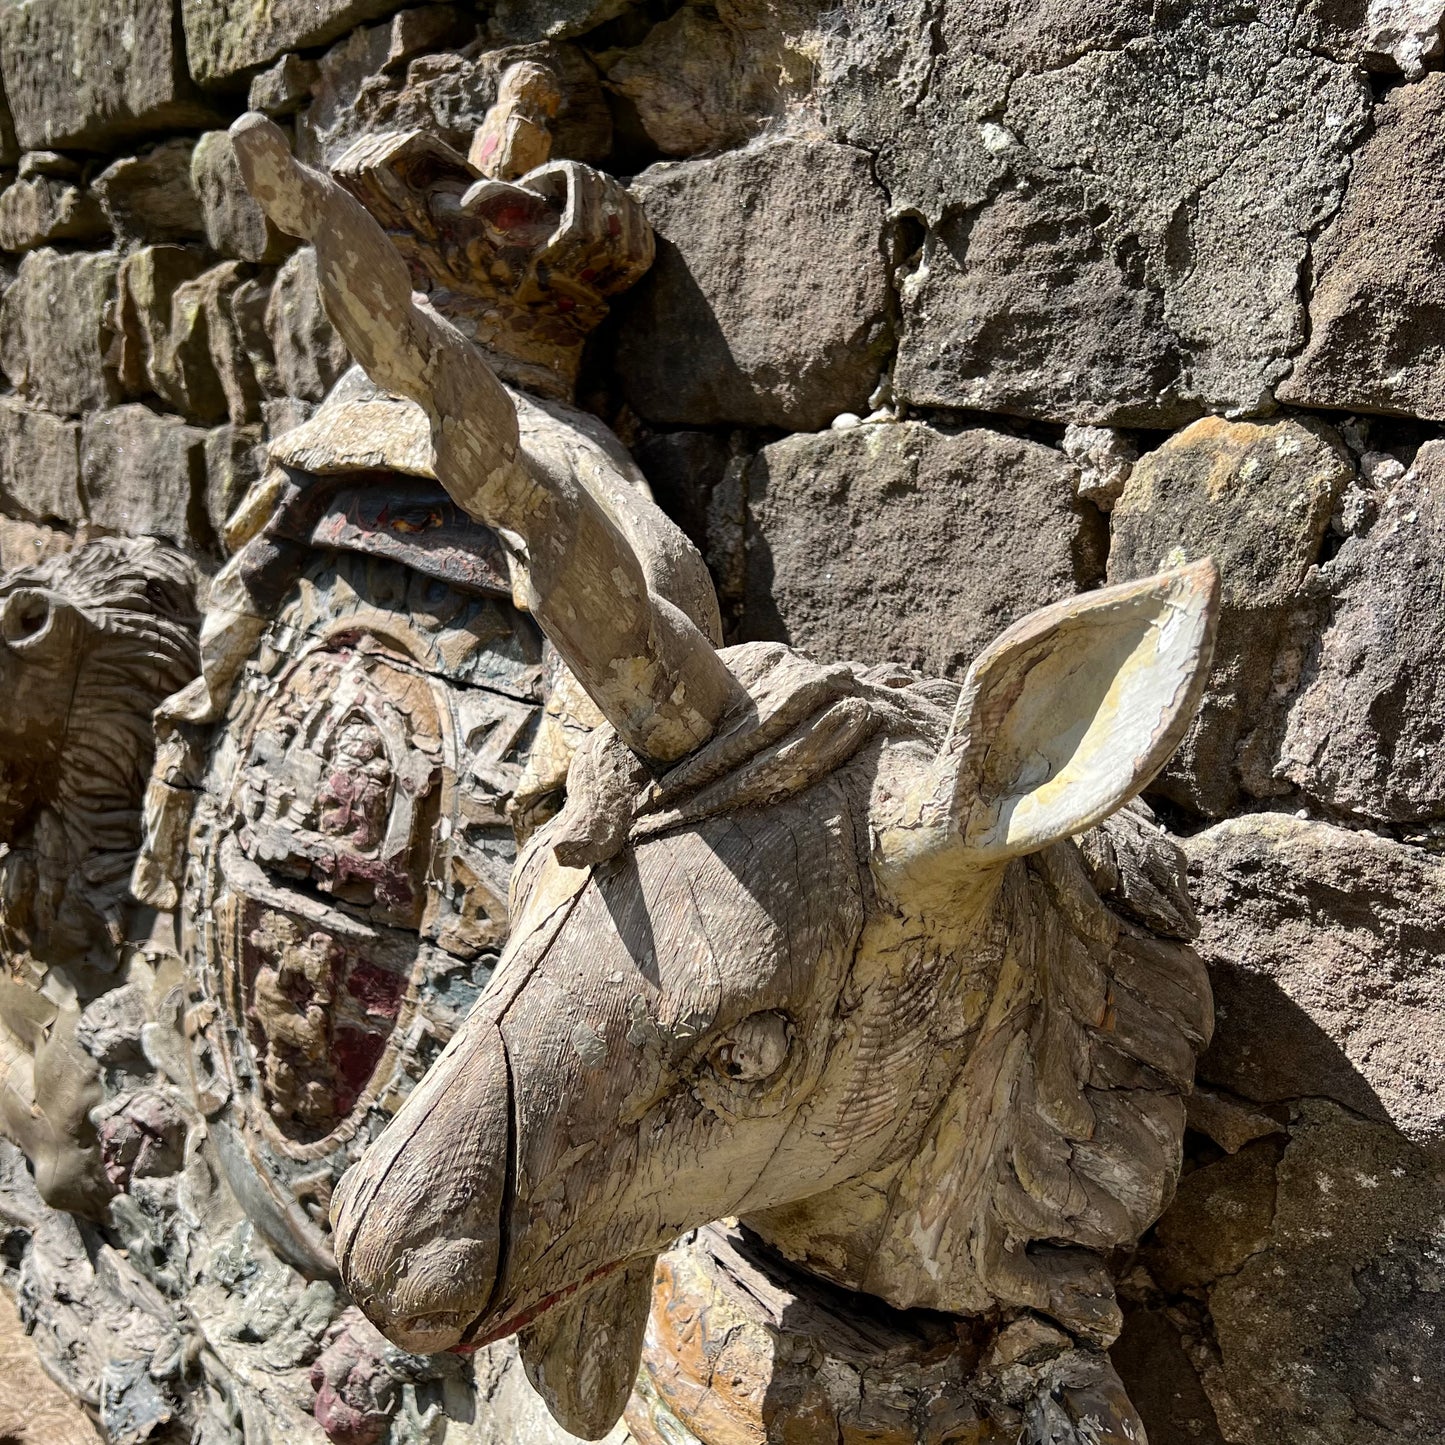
(786, 953)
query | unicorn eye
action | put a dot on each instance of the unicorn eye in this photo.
(755, 1050)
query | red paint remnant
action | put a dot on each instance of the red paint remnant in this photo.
(356, 1053)
(377, 990)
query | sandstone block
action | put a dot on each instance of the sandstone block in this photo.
(1329, 1330)
(180, 368)
(145, 295)
(54, 331)
(1377, 314)
(1323, 947)
(310, 356)
(1257, 497)
(227, 37)
(705, 79)
(284, 87)
(82, 76)
(235, 225)
(39, 464)
(145, 474)
(769, 303)
(909, 543)
(37, 210)
(358, 71)
(201, 365)
(1196, 1242)
(248, 304)
(235, 458)
(1120, 197)
(149, 198)
(1365, 732)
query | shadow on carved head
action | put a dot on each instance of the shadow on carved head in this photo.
(90, 642)
(807, 945)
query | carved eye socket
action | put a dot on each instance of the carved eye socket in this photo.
(24, 615)
(755, 1050)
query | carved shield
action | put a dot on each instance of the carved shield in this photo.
(347, 871)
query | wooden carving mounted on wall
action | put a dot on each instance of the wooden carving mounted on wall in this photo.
(334, 808)
(90, 642)
(330, 820)
(809, 945)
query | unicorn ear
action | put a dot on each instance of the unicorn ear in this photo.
(1072, 711)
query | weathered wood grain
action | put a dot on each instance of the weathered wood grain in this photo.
(807, 944)
(646, 664)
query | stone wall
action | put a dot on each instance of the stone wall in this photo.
(959, 305)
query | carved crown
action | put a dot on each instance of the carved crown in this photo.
(523, 267)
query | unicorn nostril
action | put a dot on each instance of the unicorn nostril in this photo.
(430, 1334)
(424, 1298)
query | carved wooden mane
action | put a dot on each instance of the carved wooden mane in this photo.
(1061, 1132)
(92, 640)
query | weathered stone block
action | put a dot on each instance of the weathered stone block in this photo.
(174, 325)
(310, 356)
(248, 306)
(284, 88)
(191, 336)
(1257, 497)
(1122, 198)
(707, 77)
(226, 37)
(1323, 946)
(1366, 734)
(358, 71)
(235, 458)
(200, 365)
(769, 303)
(82, 76)
(1404, 34)
(36, 210)
(1328, 1332)
(235, 225)
(145, 295)
(909, 543)
(150, 199)
(54, 332)
(1377, 315)
(39, 464)
(145, 474)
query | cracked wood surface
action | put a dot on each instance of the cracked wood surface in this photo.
(646, 664)
(808, 945)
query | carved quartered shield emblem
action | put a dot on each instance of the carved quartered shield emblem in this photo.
(348, 867)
